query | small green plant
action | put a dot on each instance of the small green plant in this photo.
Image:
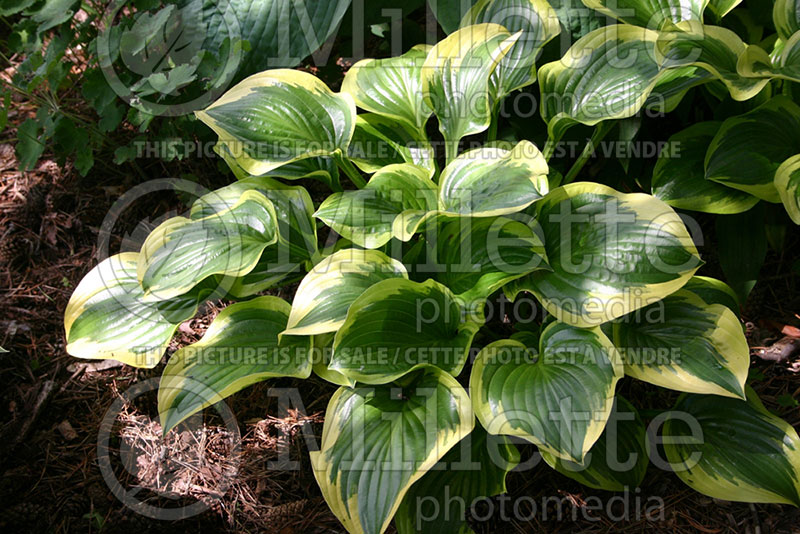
(395, 310)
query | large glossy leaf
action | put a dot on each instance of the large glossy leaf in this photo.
(734, 233)
(786, 16)
(473, 469)
(733, 449)
(679, 175)
(326, 293)
(672, 86)
(685, 344)
(272, 270)
(280, 33)
(282, 261)
(492, 181)
(476, 257)
(106, 316)
(720, 8)
(379, 141)
(297, 234)
(181, 252)
(782, 63)
(560, 400)
(391, 87)
(711, 48)
(449, 13)
(610, 253)
(412, 148)
(397, 326)
(370, 150)
(322, 168)
(538, 23)
(713, 291)
(749, 148)
(576, 20)
(280, 116)
(455, 80)
(240, 348)
(607, 74)
(618, 460)
(377, 441)
(366, 216)
(787, 182)
(650, 14)
(323, 350)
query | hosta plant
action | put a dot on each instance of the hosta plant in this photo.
(427, 233)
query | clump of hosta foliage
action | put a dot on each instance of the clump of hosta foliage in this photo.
(391, 310)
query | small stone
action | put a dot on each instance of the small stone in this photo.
(66, 430)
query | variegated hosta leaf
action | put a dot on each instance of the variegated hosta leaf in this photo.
(455, 80)
(672, 86)
(379, 141)
(279, 32)
(610, 253)
(400, 197)
(323, 350)
(279, 116)
(783, 63)
(787, 182)
(713, 291)
(106, 316)
(560, 400)
(538, 23)
(576, 19)
(183, 307)
(475, 468)
(377, 441)
(733, 449)
(607, 74)
(749, 148)
(491, 181)
(449, 13)
(786, 16)
(679, 178)
(618, 460)
(181, 252)
(684, 344)
(391, 87)
(371, 151)
(272, 270)
(322, 168)
(650, 14)
(366, 216)
(476, 257)
(412, 148)
(240, 348)
(326, 293)
(720, 8)
(297, 233)
(712, 48)
(397, 326)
